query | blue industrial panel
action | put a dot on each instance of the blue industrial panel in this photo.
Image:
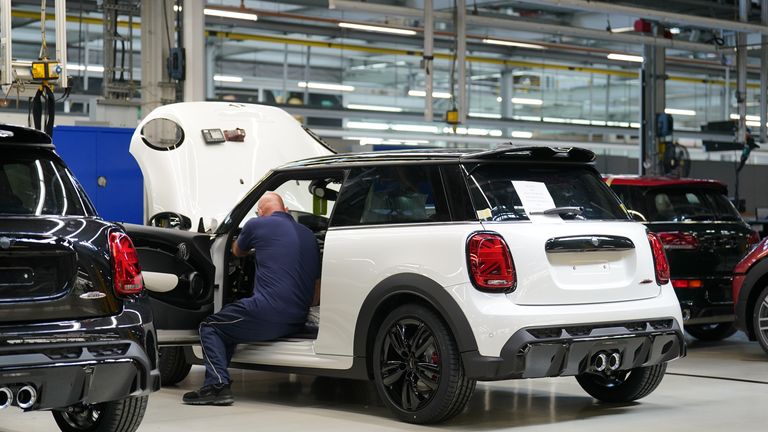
(94, 152)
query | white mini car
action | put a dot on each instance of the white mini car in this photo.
(439, 268)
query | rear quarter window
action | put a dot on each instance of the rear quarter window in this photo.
(688, 203)
(494, 196)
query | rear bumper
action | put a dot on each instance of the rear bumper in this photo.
(569, 350)
(712, 303)
(89, 361)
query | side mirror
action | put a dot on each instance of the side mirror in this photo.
(170, 220)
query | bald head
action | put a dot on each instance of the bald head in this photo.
(269, 203)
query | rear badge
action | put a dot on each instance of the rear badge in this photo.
(93, 295)
(595, 241)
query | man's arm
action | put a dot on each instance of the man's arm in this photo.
(236, 251)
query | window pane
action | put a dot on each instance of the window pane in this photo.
(387, 195)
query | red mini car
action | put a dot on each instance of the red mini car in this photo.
(750, 294)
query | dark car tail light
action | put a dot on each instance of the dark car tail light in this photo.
(687, 283)
(490, 264)
(660, 262)
(125, 265)
(678, 240)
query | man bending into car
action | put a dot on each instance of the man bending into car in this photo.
(287, 265)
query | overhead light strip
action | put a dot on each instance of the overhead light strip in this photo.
(374, 108)
(514, 44)
(377, 29)
(230, 14)
(527, 101)
(683, 112)
(626, 57)
(326, 86)
(423, 93)
(228, 78)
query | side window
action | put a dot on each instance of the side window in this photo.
(309, 200)
(391, 195)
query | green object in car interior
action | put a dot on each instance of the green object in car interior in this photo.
(319, 205)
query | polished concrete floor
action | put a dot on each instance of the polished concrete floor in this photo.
(719, 387)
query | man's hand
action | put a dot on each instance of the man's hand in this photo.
(236, 251)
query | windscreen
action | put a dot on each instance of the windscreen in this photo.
(688, 204)
(492, 188)
(34, 183)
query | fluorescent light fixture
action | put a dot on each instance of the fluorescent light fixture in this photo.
(526, 101)
(230, 14)
(496, 132)
(374, 108)
(423, 93)
(89, 68)
(626, 57)
(634, 125)
(675, 30)
(682, 112)
(228, 78)
(513, 44)
(485, 115)
(622, 29)
(414, 128)
(522, 134)
(326, 86)
(753, 118)
(367, 125)
(753, 123)
(378, 29)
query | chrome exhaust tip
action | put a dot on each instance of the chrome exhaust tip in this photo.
(600, 362)
(26, 397)
(614, 361)
(6, 397)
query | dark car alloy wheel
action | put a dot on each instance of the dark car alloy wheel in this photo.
(761, 319)
(623, 386)
(417, 366)
(122, 415)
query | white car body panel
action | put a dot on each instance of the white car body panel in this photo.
(200, 180)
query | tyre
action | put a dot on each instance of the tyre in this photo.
(173, 365)
(711, 332)
(417, 367)
(123, 415)
(623, 386)
(760, 319)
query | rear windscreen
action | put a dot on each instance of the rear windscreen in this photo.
(495, 198)
(36, 184)
(682, 204)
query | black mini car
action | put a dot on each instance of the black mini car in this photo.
(704, 238)
(76, 331)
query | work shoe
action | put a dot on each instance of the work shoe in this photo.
(213, 394)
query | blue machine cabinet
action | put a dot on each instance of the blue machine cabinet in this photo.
(99, 158)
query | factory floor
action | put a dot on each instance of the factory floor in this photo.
(719, 387)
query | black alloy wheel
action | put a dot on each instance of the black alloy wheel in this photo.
(760, 319)
(417, 367)
(623, 386)
(122, 415)
(711, 332)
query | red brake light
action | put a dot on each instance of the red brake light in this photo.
(687, 283)
(125, 265)
(678, 240)
(490, 263)
(659, 259)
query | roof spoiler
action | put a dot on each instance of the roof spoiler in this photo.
(509, 151)
(16, 135)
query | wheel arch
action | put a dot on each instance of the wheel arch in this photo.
(756, 280)
(400, 289)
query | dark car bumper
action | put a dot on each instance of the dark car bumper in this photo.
(571, 350)
(89, 361)
(711, 303)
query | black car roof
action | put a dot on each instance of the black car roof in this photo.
(19, 135)
(501, 153)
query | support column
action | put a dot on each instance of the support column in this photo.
(156, 88)
(429, 24)
(653, 78)
(461, 63)
(194, 47)
(741, 74)
(763, 73)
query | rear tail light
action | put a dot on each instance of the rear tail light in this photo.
(125, 265)
(490, 263)
(678, 240)
(752, 239)
(660, 262)
(687, 283)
